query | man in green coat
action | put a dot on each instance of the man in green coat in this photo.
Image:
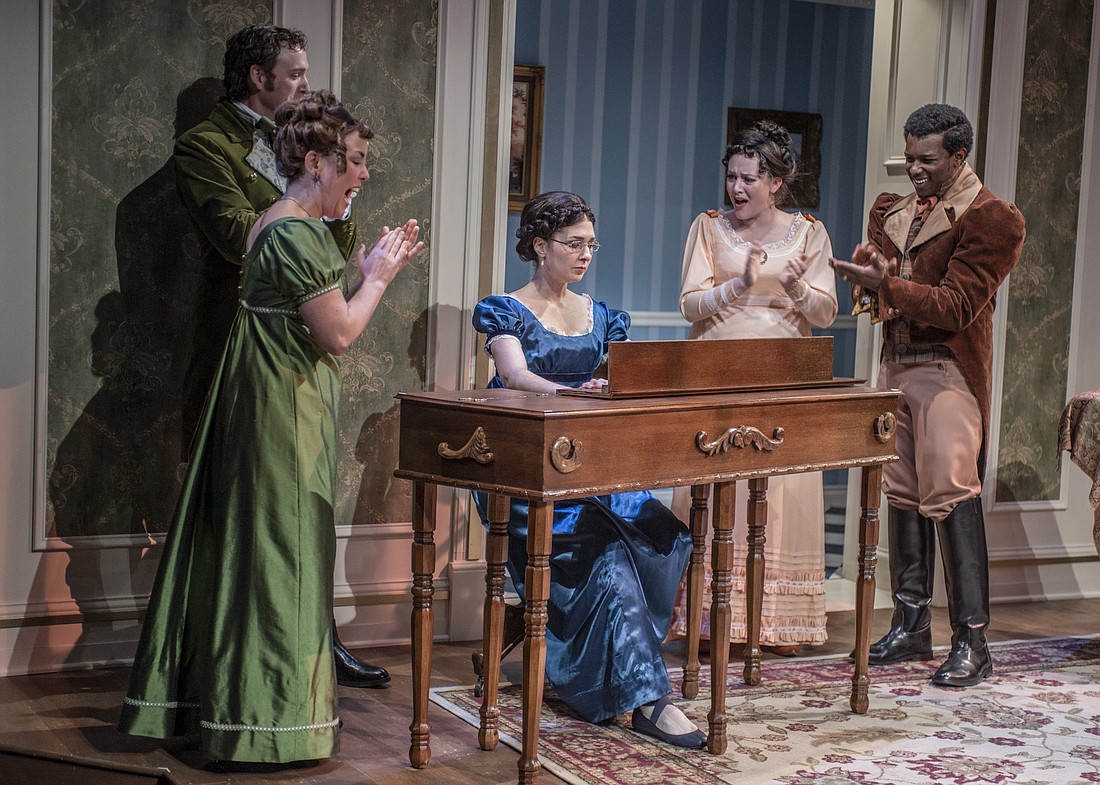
(226, 176)
(225, 173)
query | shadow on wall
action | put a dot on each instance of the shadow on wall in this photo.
(385, 499)
(117, 472)
(382, 497)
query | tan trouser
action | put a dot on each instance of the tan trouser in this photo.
(939, 437)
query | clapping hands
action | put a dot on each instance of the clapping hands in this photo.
(392, 251)
(757, 256)
(794, 270)
(867, 269)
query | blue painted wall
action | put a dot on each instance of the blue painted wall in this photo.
(634, 120)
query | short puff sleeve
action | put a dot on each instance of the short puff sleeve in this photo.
(496, 317)
(305, 261)
(618, 325)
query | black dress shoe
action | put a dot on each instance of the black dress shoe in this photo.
(352, 673)
(967, 664)
(900, 645)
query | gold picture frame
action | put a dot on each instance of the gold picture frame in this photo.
(525, 150)
(805, 131)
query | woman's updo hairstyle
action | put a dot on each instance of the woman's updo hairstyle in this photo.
(770, 145)
(546, 214)
(317, 122)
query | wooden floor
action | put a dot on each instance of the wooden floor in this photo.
(72, 715)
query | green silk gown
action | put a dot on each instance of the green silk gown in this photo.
(236, 646)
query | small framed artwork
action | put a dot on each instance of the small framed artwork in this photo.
(805, 131)
(525, 150)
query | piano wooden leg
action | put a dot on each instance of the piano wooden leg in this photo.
(754, 576)
(540, 519)
(695, 574)
(496, 554)
(869, 495)
(423, 619)
(720, 613)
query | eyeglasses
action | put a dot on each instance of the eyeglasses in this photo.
(577, 245)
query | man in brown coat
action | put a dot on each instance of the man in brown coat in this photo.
(930, 272)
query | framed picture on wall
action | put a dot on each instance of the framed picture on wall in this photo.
(525, 151)
(805, 131)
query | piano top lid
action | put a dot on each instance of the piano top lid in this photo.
(524, 404)
(658, 368)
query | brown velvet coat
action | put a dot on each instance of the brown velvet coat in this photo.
(966, 248)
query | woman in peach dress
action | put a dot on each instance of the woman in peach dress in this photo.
(755, 271)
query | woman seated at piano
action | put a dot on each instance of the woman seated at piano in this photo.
(756, 271)
(616, 560)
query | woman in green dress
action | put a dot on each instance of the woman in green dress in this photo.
(236, 647)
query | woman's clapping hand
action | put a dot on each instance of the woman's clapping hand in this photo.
(393, 250)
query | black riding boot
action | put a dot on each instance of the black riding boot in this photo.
(912, 569)
(352, 673)
(966, 577)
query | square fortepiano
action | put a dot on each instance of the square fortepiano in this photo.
(675, 413)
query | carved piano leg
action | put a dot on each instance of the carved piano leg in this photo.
(540, 519)
(496, 554)
(869, 490)
(695, 574)
(720, 613)
(754, 576)
(423, 619)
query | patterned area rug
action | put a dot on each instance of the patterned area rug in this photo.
(1037, 720)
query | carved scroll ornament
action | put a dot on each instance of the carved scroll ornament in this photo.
(476, 448)
(884, 427)
(566, 454)
(741, 436)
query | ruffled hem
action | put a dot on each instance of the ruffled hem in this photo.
(784, 631)
(793, 610)
(778, 579)
(780, 583)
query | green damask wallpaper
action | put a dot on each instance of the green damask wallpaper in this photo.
(389, 62)
(1048, 190)
(128, 77)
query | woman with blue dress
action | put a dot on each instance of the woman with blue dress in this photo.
(616, 559)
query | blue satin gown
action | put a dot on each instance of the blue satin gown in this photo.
(616, 560)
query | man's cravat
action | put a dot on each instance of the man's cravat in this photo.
(266, 126)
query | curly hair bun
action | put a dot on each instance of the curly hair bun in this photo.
(316, 122)
(773, 132)
(311, 107)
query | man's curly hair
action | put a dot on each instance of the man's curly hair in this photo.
(255, 45)
(547, 213)
(952, 122)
